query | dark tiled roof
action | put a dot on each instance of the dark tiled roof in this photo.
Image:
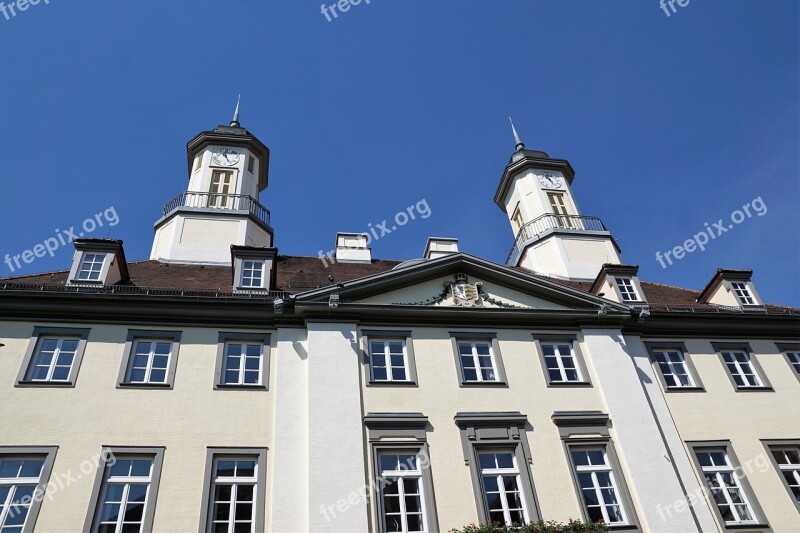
(302, 273)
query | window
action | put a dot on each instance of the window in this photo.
(560, 363)
(252, 274)
(221, 187)
(742, 368)
(496, 450)
(742, 292)
(242, 361)
(786, 459)
(402, 469)
(233, 500)
(627, 289)
(150, 358)
(558, 207)
(53, 357)
(478, 358)
(389, 357)
(725, 485)
(792, 354)
(673, 368)
(516, 219)
(24, 473)
(597, 484)
(91, 267)
(401, 493)
(501, 485)
(124, 497)
(251, 163)
(388, 360)
(198, 162)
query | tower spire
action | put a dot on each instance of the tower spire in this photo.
(235, 121)
(520, 144)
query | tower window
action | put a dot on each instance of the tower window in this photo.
(251, 164)
(559, 209)
(221, 185)
(198, 162)
(516, 219)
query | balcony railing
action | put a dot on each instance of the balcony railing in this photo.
(234, 202)
(552, 221)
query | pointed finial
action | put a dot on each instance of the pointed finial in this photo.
(235, 121)
(520, 144)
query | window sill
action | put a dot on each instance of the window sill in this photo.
(756, 526)
(755, 389)
(45, 384)
(228, 386)
(153, 386)
(562, 384)
(685, 389)
(378, 383)
(484, 384)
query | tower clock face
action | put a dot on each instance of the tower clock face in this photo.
(549, 180)
(225, 157)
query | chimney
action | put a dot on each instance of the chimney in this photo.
(352, 248)
(437, 247)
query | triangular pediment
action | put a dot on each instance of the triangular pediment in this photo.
(461, 280)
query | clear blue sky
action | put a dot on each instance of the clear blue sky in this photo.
(669, 122)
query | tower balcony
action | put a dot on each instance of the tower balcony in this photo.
(215, 201)
(549, 223)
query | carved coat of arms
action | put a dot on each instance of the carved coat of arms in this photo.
(463, 293)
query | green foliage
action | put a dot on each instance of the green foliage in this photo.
(549, 526)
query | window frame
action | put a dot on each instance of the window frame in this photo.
(515, 471)
(540, 339)
(517, 219)
(785, 349)
(108, 457)
(619, 284)
(251, 164)
(481, 432)
(743, 293)
(256, 262)
(259, 496)
(761, 523)
(370, 335)
(655, 346)
(226, 337)
(499, 369)
(49, 453)
(783, 443)
(136, 335)
(40, 332)
(720, 347)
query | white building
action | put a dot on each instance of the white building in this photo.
(221, 386)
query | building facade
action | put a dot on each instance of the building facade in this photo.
(220, 386)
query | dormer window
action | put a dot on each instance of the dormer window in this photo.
(253, 268)
(91, 267)
(252, 274)
(627, 289)
(743, 293)
(98, 262)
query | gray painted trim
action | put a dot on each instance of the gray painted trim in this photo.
(108, 456)
(261, 483)
(719, 347)
(781, 443)
(694, 446)
(785, 347)
(133, 336)
(266, 360)
(39, 331)
(427, 479)
(580, 363)
(456, 337)
(687, 361)
(77, 260)
(41, 488)
(581, 423)
(396, 425)
(497, 430)
(622, 485)
(408, 344)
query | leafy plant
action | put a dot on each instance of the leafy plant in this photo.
(542, 526)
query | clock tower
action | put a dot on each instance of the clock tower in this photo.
(228, 167)
(552, 237)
